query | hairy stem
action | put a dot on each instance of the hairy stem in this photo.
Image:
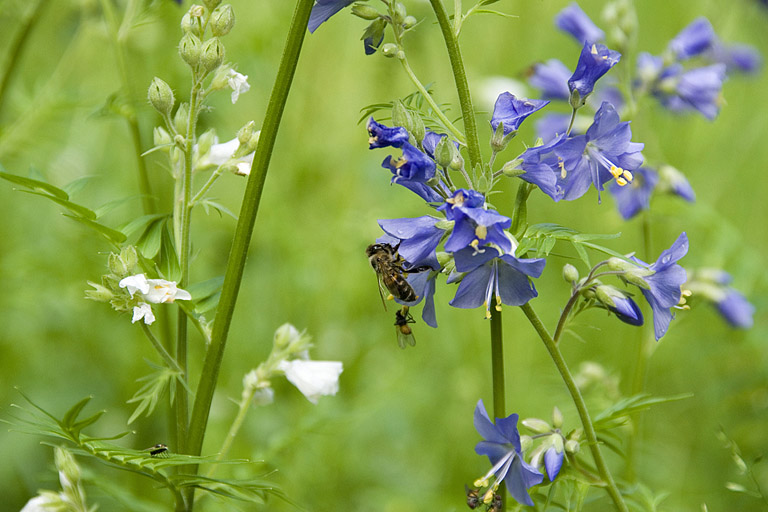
(581, 407)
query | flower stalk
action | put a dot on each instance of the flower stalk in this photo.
(246, 220)
(581, 407)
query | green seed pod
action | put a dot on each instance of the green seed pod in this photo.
(222, 20)
(117, 265)
(130, 257)
(537, 425)
(365, 11)
(409, 22)
(400, 14)
(189, 49)
(570, 273)
(212, 54)
(418, 130)
(181, 118)
(244, 134)
(161, 96)
(190, 25)
(389, 50)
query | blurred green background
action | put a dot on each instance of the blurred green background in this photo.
(399, 435)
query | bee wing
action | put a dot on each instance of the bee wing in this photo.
(382, 289)
(405, 339)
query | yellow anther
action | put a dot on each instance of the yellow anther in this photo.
(481, 232)
(488, 496)
(628, 176)
(593, 50)
(686, 293)
(474, 243)
(390, 297)
(487, 314)
(480, 482)
(401, 162)
(616, 171)
(621, 181)
(563, 172)
(373, 139)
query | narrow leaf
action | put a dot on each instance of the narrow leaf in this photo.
(35, 185)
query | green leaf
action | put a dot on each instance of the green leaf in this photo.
(71, 415)
(616, 414)
(140, 224)
(491, 11)
(80, 425)
(207, 304)
(75, 186)
(207, 204)
(112, 235)
(542, 239)
(150, 241)
(111, 205)
(75, 208)
(205, 289)
(35, 185)
(149, 394)
(169, 260)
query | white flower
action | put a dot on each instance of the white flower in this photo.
(46, 501)
(143, 310)
(222, 153)
(137, 283)
(313, 378)
(156, 291)
(238, 83)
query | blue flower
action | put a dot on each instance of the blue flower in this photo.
(626, 310)
(381, 136)
(693, 40)
(551, 78)
(431, 140)
(512, 111)
(418, 239)
(575, 21)
(564, 168)
(695, 89)
(635, 196)
(741, 58)
(501, 443)
(736, 309)
(474, 225)
(595, 61)
(673, 181)
(423, 283)
(412, 170)
(489, 275)
(323, 10)
(553, 461)
(664, 284)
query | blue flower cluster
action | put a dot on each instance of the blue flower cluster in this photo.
(474, 236)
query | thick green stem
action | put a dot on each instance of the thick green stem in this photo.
(243, 231)
(581, 407)
(462, 87)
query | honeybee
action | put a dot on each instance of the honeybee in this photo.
(404, 332)
(389, 268)
(497, 503)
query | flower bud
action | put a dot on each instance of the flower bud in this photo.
(181, 118)
(400, 14)
(605, 295)
(244, 134)
(512, 169)
(457, 162)
(537, 425)
(190, 25)
(498, 140)
(205, 141)
(211, 4)
(117, 265)
(222, 20)
(443, 258)
(365, 11)
(418, 130)
(161, 137)
(389, 50)
(286, 335)
(212, 54)
(99, 294)
(570, 273)
(401, 116)
(69, 471)
(572, 446)
(161, 96)
(189, 49)
(409, 22)
(557, 418)
(249, 147)
(444, 152)
(130, 257)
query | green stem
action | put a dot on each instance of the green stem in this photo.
(520, 212)
(145, 188)
(246, 220)
(428, 97)
(581, 407)
(564, 316)
(169, 360)
(208, 184)
(243, 406)
(17, 46)
(497, 364)
(462, 87)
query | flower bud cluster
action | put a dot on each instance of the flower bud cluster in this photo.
(72, 495)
